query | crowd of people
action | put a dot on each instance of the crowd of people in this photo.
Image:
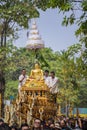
(61, 123)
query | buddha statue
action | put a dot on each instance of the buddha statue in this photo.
(36, 73)
(36, 78)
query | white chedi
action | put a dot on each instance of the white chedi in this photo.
(34, 40)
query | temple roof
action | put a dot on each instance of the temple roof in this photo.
(34, 39)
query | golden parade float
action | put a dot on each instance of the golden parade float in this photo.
(34, 99)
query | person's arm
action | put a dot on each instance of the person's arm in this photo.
(55, 83)
(21, 78)
(80, 123)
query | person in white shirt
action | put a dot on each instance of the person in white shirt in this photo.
(46, 76)
(52, 83)
(22, 79)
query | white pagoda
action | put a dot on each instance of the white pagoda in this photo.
(34, 41)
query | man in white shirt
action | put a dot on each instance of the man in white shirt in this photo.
(22, 79)
(53, 83)
(46, 76)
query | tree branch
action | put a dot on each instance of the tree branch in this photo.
(77, 1)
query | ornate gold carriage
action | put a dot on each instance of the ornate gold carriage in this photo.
(34, 100)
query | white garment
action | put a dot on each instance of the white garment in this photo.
(21, 83)
(46, 79)
(52, 83)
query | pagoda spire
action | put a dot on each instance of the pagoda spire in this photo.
(34, 39)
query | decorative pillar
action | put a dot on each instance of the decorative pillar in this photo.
(59, 109)
(70, 111)
(20, 120)
(7, 114)
(41, 112)
(77, 112)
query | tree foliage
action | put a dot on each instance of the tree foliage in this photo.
(14, 13)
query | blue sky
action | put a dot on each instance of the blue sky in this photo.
(55, 36)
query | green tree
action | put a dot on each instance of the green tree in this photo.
(13, 16)
(83, 94)
(71, 6)
(69, 68)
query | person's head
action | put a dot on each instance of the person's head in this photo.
(63, 123)
(52, 74)
(4, 126)
(72, 123)
(24, 126)
(37, 123)
(23, 71)
(50, 121)
(46, 73)
(1, 121)
(57, 126)
(52, 126)
(13, 128)
(43, 123)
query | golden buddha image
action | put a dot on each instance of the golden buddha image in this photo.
(36, 78)
(36, 73)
